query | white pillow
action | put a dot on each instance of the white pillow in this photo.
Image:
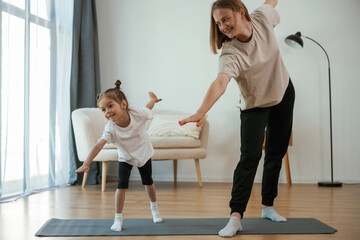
(168, 126)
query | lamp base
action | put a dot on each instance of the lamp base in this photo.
(329, 184)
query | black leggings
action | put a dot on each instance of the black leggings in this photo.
(278, 123)
(124, 174)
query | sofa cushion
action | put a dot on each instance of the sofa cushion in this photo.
(168, 126)
(168, 142)
(175, 142)
(108, 145)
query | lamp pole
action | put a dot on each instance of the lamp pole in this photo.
(297, 38)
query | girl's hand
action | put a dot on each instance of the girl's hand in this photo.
(198, 117)
(83, 168)
(154, 98)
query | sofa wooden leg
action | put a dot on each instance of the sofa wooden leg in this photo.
(287, 169)
(103, 180)
(83, 185)
(175, 171)
(197, 164)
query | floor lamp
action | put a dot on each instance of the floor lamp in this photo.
(295, 41)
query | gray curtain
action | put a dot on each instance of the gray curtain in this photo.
(85, 77)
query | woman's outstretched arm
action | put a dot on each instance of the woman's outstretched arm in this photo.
(216, 90)
(273, 3)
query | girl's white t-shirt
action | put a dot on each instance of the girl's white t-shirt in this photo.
(133, 142)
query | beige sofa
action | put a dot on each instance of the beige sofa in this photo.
(88, 124)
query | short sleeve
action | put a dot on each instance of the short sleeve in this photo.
(107, 133)
(145, 113)
(269, 13)
(229, 64)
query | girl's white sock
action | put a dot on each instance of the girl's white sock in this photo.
(118, 221)
(270, 213)
(155, 212)
(231, 228)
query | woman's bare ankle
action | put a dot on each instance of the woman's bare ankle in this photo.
(236, 214)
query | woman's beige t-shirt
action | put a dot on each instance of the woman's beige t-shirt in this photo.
(257, 65)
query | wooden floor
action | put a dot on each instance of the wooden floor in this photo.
(337, 207)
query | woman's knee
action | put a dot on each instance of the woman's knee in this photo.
(249, 160)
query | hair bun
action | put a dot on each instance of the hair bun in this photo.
(117, 84)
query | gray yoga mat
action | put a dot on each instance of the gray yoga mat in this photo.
(178, 226)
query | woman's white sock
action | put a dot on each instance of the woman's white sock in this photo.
(118, 221)
(155, 212)
(270, 213)
(231, 228)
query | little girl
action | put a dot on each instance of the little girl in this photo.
(126, 129)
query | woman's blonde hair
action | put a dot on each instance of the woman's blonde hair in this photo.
(216, 36)
(113, 93)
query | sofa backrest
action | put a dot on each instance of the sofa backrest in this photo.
(89, 123)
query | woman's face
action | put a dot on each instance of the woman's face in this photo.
(229, 22)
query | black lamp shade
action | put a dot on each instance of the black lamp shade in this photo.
(295, 41)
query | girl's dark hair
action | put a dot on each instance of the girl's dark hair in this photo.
(114, 93)
(216, 36)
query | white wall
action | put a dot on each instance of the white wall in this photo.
(163, 46)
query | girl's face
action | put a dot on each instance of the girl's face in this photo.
(114, 111)
(229, 22)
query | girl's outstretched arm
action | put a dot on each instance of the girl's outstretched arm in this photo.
(94, 151)
(216, 90)
(153, 100)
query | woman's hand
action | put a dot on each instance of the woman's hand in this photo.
(198, 117)
(83, 168)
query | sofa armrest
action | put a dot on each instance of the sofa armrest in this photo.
(204, 134)
(85, 138)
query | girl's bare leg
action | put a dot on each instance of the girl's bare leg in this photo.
(119, 205)
(150, 189)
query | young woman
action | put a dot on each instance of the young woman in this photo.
(126, 130)
(250, 54)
